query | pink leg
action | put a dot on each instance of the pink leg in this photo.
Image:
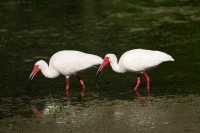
(138, 83)
(138, 94)
(148, 83)
(83, 85)
(67, 90)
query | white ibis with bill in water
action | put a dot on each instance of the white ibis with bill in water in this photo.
(67, 63)
(136, 60)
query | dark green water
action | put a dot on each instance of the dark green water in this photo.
(32, 30)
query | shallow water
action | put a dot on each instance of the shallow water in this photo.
(34, 30)
(161, 114)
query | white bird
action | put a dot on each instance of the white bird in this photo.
(67, 63)
(136, 60)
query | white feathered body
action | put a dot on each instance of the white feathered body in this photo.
(68, 62)
(139, 60)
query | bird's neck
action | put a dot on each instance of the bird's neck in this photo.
(47, 71)
(115, 66)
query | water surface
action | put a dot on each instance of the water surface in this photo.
(33, 30)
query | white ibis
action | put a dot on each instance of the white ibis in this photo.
(67, 63)
(136, 60)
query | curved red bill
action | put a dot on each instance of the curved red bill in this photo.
(104, 64)
(36, 69)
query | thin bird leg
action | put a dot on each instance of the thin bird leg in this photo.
(148, 83)
(67, 90)
(138, 83)
(83, 85)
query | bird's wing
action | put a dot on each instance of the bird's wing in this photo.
(141, 60)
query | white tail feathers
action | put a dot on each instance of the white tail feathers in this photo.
(168, 58)
(163, 57)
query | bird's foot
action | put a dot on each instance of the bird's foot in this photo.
(68, 98)
(136, 92)
(82, 94)
(148, 93)
(68, 102)
(133, 91)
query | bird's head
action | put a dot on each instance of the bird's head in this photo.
(36, 69)
(106, 62)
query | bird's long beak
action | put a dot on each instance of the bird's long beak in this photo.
(35, 70)
(104, 64)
